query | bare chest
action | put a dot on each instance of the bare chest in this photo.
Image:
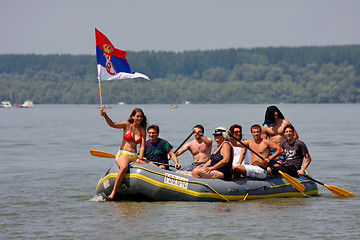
(261, 148)
(277, 129)
(198, 148)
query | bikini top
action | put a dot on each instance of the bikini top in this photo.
(129, 137)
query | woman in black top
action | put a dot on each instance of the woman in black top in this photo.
(220, 163)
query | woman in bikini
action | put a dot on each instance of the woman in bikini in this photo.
(134, 133)
(220, 163)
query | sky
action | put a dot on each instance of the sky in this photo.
(68, 26)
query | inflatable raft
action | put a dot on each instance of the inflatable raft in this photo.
(145, 182)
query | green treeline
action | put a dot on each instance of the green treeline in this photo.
(261, 75)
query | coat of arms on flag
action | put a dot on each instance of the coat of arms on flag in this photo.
(111, 62)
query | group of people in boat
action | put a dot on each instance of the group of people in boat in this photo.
(274, 147)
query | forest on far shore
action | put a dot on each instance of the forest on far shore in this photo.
(329, 74)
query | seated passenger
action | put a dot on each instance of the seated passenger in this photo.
(220, 163)
(134, 133)
(258, 167)
(157, 150)
(241, 155)
(294, 152)
(200, 148)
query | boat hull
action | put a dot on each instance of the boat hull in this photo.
(144, 182)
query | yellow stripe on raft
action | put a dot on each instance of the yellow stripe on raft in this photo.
(209, 194)
(164, 185)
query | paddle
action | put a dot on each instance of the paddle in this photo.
(184, 142)
(287, 177)
(101, 154)
(336, 190)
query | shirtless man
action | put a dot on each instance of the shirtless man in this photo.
(274, 125)
(200, 148)
(258, 167)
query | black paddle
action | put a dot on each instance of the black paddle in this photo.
(179, 148)
(184, 142)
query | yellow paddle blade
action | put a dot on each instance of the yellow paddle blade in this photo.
(339, 191)
(101, 154)
(293, 181)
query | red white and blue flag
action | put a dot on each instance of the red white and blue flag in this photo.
(111, 62)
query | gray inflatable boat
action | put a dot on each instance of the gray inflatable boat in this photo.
(145, 182)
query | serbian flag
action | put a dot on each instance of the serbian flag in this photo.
(111, 62)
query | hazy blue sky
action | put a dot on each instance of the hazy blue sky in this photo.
(45, 26)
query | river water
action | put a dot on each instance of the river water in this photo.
(48, 177)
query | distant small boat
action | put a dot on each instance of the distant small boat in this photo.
(121, 103)
(187, 102)
(6, 104)
(174, 106)
(27, 104)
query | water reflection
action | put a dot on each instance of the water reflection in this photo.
(128, 209)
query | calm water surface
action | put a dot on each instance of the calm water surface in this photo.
(48, 177)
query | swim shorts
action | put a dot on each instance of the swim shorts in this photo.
(255, 171)
(192, 166)
(132, 156)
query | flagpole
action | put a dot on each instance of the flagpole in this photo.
(101, 105)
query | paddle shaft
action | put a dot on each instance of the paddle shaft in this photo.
(307, 176)
(184, 142)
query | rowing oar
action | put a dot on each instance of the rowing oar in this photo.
(336, 190)
(287, 177)
(101, 154)
(184, 142)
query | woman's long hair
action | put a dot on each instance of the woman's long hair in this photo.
(133, 113)
(270, 115)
